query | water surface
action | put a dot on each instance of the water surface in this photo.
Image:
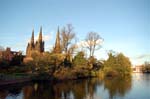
(135, 87)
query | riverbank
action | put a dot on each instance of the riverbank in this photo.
(7, 79)
(8, 82)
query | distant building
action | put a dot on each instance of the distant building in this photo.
(38, 46)
(34, 47)
(137, 69)
(8, 54)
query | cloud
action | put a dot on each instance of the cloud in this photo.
(45, 37)
(140, 59)
(86, 43)
(2, 48)
(143, 56)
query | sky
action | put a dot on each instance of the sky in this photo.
(123, 24)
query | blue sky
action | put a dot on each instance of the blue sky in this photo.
(124, 24)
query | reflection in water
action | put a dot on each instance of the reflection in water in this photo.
(10, 91)
(3, 94)
(78, 89)
(117, 86)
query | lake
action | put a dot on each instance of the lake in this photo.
(135, 87)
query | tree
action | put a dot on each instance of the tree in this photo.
(93, 42)
(146, 67)
(67, 35)
(80, 60)
(17, 59)
(117, 65)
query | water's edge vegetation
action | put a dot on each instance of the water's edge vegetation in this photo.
(49, 66)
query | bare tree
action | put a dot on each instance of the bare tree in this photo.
(67, 35)
(93, 42)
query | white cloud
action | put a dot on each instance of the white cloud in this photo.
(85, 43)
(140, 59)
(45, 37)
(143, 56)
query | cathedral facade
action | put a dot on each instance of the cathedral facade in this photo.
(33, 46)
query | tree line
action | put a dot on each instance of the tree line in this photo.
(67, 65)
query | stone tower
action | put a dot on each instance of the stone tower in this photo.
(30, 46)
(39, 45)
(57, 47)
(35, 47)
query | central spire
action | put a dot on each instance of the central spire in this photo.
(32, 38)
(40, 34)
(57, 38)
(57, 48)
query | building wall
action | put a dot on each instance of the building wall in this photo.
(137, 69)
(8, 54)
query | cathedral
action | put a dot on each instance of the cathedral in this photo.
(37, 46)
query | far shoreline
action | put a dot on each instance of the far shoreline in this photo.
(29, 79)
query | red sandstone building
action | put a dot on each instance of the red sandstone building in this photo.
(8, 54)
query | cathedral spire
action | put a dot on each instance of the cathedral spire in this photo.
(32, 38)
(37, 47)
(40, 34)
(57, 48)
(57, 38)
